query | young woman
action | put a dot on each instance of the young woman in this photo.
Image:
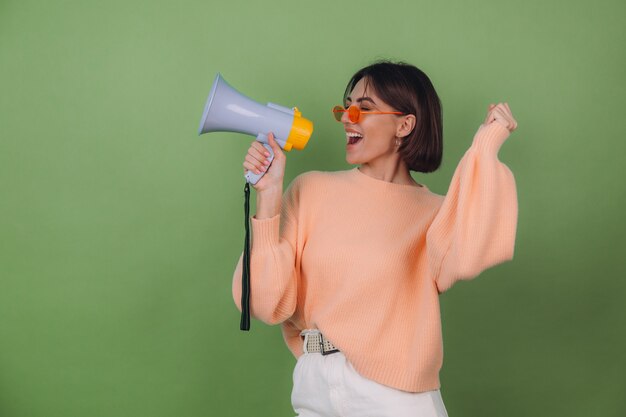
(351, 263)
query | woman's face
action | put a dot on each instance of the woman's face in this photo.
(377, 131)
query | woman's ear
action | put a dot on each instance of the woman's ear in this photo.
(406, 125)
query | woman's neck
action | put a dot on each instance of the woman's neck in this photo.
(396, 173)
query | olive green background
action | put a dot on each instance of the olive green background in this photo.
(120, 227)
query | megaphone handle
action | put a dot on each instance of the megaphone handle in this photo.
(253, 178)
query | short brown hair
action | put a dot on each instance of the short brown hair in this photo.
(409, 90)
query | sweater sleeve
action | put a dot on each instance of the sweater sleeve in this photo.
(273, 277)
(476, 224)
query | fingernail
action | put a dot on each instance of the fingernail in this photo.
(267, 154)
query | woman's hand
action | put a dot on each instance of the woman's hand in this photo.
(501, 113)
(257, 161)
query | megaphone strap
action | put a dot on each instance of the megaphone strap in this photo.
(245, 277)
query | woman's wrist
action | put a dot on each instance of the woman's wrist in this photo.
(268, 202)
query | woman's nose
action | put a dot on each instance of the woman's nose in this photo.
(345, 119)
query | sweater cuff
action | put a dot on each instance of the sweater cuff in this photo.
(265, 232)
(489, 138)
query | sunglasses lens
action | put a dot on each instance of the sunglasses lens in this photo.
(354, 114)
(338, 112)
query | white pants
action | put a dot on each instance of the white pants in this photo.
(329, 386)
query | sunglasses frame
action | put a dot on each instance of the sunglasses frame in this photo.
(354, 113)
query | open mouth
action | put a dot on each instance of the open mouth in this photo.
(353, 137)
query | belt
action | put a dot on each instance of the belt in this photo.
(314, 342)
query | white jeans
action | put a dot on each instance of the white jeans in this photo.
(329, 386)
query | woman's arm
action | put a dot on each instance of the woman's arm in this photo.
(476, 224)
(273, 276)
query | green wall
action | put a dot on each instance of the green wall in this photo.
(120, 227)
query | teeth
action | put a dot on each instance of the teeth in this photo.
(353, 135)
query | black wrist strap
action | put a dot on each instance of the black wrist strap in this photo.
(245, 277)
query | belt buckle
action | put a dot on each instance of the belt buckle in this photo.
(325, 352)
(306, 341)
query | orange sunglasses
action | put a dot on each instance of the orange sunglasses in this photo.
(354, 113)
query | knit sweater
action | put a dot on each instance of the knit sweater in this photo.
(364, 260)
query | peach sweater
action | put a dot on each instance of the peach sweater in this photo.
(364, 260)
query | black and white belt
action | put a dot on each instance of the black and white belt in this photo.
(314, 342)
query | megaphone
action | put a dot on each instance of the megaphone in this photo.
(227, 110)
